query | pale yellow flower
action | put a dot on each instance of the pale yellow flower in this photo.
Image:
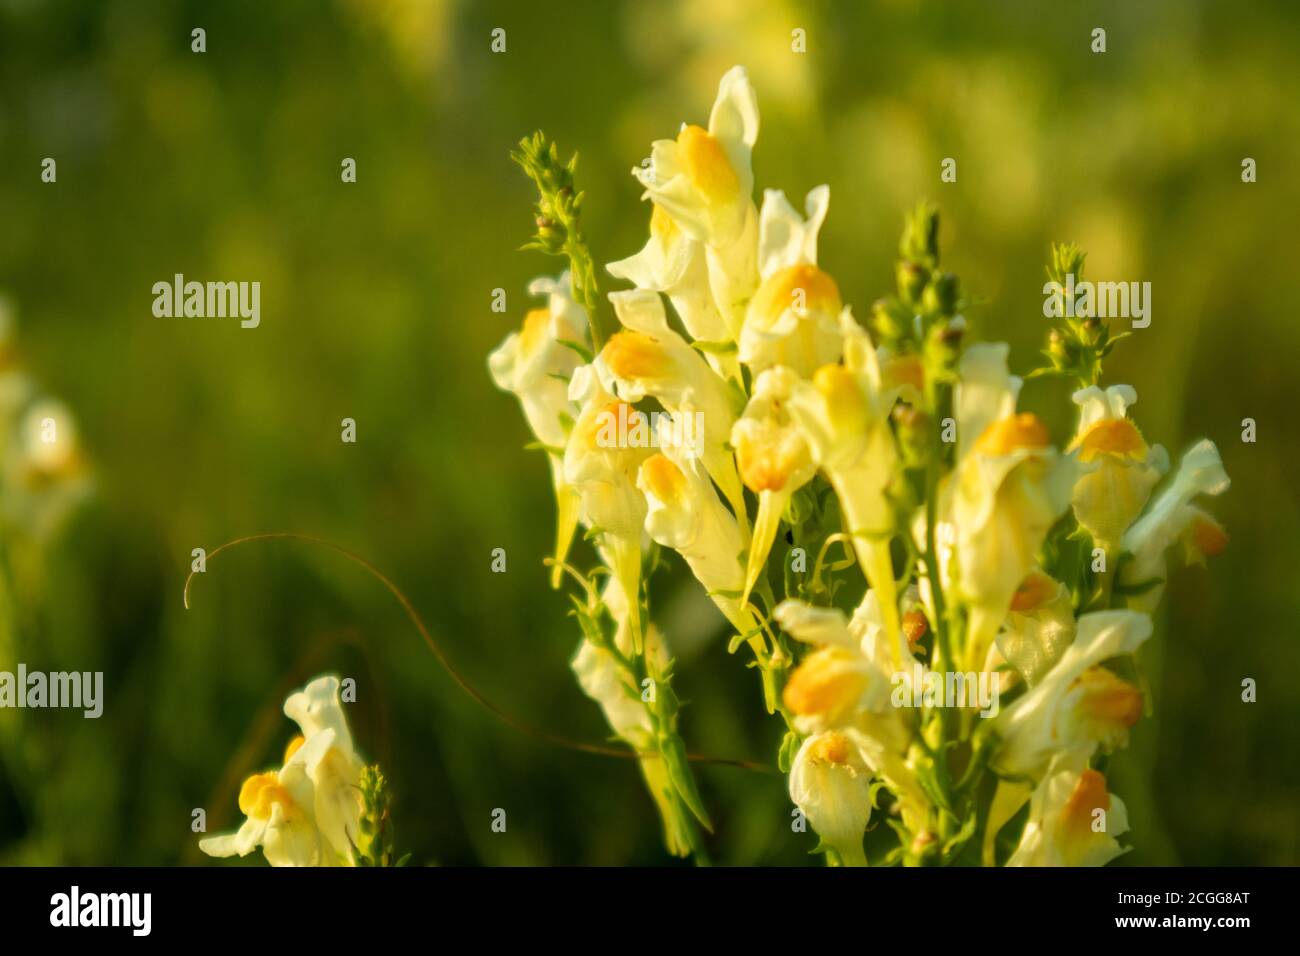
(831, 783)
(673, 263)
(317, 709)
(773, 459)
(1173, 518)
(793, 318)
(608, 684)
(704, 180)
(1121, 470)
(534, 364)
(1073, 820)
(843, 686)
(1039, 626)
(308, 812)
(1009, 488)
(603, 474)
(685, 514)
(1070, 708)
(844, 415)
(648, 358)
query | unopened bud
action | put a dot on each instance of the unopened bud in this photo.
(889, 320)
(913, 436)
(1094, 330)
(915, 626)
(1061, 349)
(941, 294)
(911, 280)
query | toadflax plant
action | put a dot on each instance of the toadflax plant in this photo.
(950, 637)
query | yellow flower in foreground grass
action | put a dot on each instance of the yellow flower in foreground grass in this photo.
(307, 813)
(1073, 820)
(317, 710)
(648, 358)
(793, 318)
(1172, 517)
(675, 264)
(773, 459)
(1122, 470)
(534, 365)
(704, 180)
(1009, 488)
(843, 413)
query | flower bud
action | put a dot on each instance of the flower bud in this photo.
(890, 320)
(941, 294)
(1094, 331)
(915, 625)
(913, 440)
(1062, 351)
(912, 279)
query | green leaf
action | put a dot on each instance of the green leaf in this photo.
(789, 748)
(955, 843)
(582, 351)
(1134, 590)
(679, 772)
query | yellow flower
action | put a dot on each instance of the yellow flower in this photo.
(649, 358)
(843, 413)
(685, 514)
(1073, 820)
(308, 812)
(773, 459)
(1103, 706)
(1072, 707)
(831, 783)
(1172, 517)
(603, 474)
(793, 319)
(1122, 470)
(673, 263)
(843, 686)
(534, 365)
(704, 181)
(1009, 488)
(336, 775)
(1038, 628)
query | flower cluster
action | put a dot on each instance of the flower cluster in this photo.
(970, 679)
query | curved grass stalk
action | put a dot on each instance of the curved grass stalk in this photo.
(559, 740)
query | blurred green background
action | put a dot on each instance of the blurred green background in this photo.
(376, 306)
